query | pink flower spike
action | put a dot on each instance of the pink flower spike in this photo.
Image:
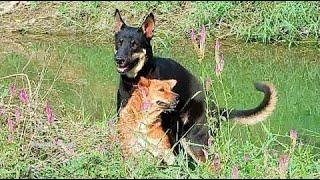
(293, 137)
(218, 70)
(2, 111)
(10, 125)
(10, 138)
(49, 113)
(24, 96)
(293, 134)
(221, 62)
(218, 44)
(17, 115)
(192, 35)
(219, 58)
(234, 173)
(12, 90)
(283, 165)
(202, 35)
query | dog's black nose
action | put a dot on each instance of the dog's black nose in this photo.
(120, 60)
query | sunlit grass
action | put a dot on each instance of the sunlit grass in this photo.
(76, 75)
(80, 83)
(266, 22)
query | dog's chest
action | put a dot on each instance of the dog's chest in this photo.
(141, 139)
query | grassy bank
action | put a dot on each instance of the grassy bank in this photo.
(58, 87)
(75, 145)
(79, 83)
(266, 22)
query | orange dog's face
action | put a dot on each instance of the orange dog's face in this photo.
(157, 94)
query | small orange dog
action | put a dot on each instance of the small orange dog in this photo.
(139, 125)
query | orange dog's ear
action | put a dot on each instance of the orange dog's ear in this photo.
(172, 82)
(143, 85)
(144, 82)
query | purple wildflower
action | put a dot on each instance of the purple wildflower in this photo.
(217, 51)
(17, 115)
(2, 111)
(12, 90)
(24, 96)
(218, 45)
(221, 61)
(219, 58)
(101, 149)
(70, 151)
(234, 173)
(202, 40)
(202, 35)
(10, 125)
(58, 142)
(221, 64)
(49, 113)
(10, 138)
(283, 165)
(293, 136)
(192, 35)
(55, 141)
(218, 69)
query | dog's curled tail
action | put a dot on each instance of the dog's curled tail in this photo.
(259, 113)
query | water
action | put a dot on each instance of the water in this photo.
(84, 77)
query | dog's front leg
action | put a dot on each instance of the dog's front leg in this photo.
(118, 101)
(195, 131)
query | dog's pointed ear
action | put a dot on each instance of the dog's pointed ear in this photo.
(172, 82)
(143, 85)
(144, 82)
(119, 24)
(148, 26)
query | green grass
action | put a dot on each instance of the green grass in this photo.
(76, 74)
(251, 21)
(265, 22)
(80, 82)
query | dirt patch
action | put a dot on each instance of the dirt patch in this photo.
(10, 45)
(8, 7)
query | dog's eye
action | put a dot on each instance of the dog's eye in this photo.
(161, 90)
(133, 44)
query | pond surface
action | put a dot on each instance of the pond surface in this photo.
(80, 75)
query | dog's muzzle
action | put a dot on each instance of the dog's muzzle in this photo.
(170, 106)
(122, 65)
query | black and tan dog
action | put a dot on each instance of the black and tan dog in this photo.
(187, 123)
